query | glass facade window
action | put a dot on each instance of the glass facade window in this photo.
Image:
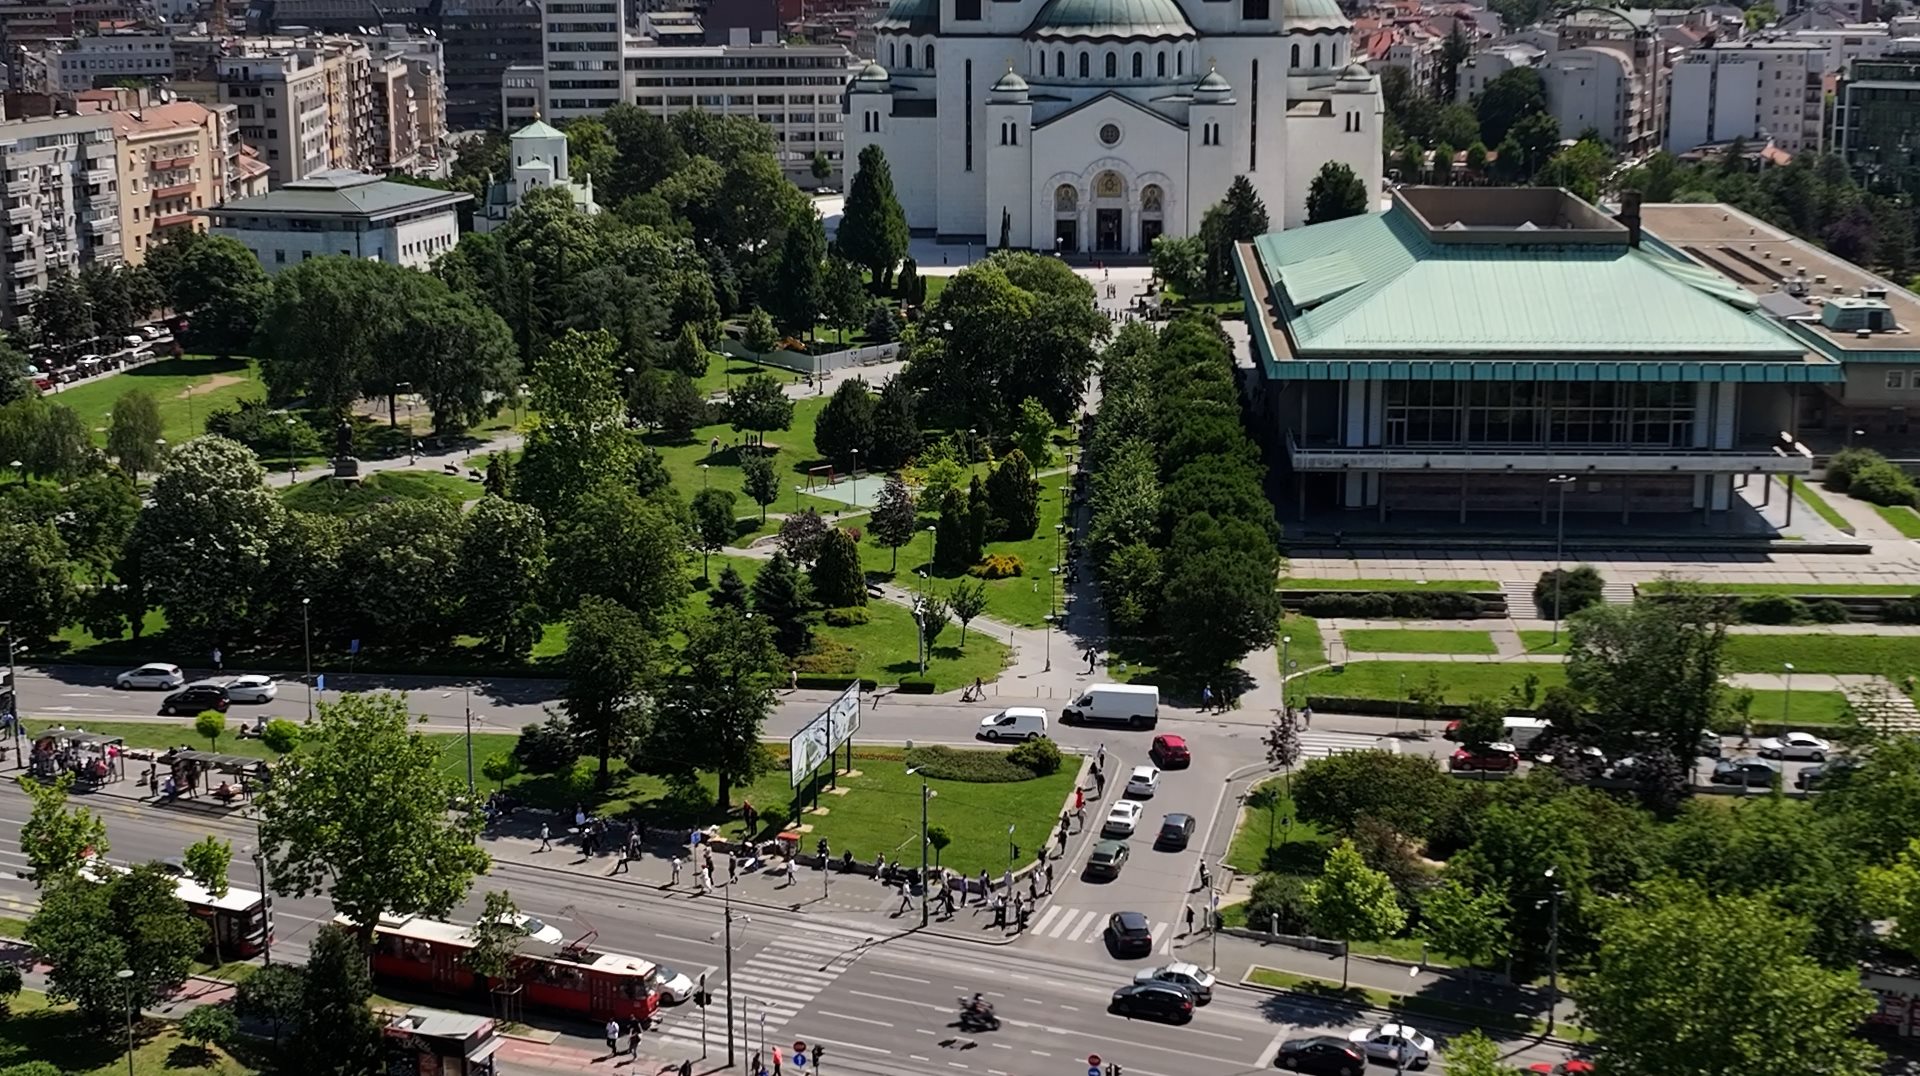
(1539, 414)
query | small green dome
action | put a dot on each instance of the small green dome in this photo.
(1111, 19)
(1011, 83)
(1213, 83)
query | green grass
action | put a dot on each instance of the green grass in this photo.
(793, 454)
(214, 383)
(1904, 590)
(723, 371)
(1541, 642)
(330, 497)
(1904, 519)
(1410, 1004)
(1298, 583)
(1460, 681)
(1306, 649)
(1023, 600)
(1821, 507)
(12, 927)
(1297, 848)
(1808, 708)
(1414, 641)
(1813, 652)
(38, 1030)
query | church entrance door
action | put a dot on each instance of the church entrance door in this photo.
(1150, 230)
(1066, 236)
(1107, 230)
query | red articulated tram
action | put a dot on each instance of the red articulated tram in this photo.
(567, 977)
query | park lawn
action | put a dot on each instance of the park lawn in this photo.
(1305, 649)
(1806, 708)
(1262, 843)
(1414, 641)
(1904, 519)
(1459, 681)
(187, 390)
(1299, 583)
(1409, 1004)
(1023, 600)
(935, 285)
(38, 1030)
(330, 497)
(793, 455)
(12, 927)
(1893, 656)
(1821, 507)
(723, 370)
(1542, 642)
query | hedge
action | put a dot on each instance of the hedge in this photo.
(829, 682)
(1400, 604)
(978, 766)
(915, 685)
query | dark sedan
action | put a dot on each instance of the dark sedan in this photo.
(1321, 1055)
(1157, 999)
(1129, 934)
(195, 699)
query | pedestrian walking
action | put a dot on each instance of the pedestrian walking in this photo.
(620, 865)
(1099, 783)
(218, 665)
(676, 871)
(686, 1067)
(633, 1041)
(546, 838)
(793, 679)
(776, 1061)
(613, 1037)
(1049, 869)
(1100, 757)
(1006, 881)
(733, 867)
(706, 879)
(986, 887)
(946, 899)
(1206, 698)
(1189, 919)
(579, 817)
(1033, 885)
(1026, 910)
(1306, 717)
(906, 896)
(999, 912)
(790, 860)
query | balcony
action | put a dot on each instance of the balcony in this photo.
(19, 188)
(172, 220)
(103, 222)
(19, 214)
(19, 241)
(27, 267)
(94, 176)
(177, 190)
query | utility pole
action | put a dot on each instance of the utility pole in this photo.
(926, 891)
(727, 908)
(306, 636)
(13, 699)
(266, 898)
(1553, 952)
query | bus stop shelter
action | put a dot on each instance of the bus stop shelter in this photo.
(93, 758)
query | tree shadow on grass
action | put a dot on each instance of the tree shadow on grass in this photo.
(1295, 857)
(64, 1039)
(187, 1055)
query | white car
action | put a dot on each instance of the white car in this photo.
(1144, 781)
(1796, 745)
(154, 676)
(151, 332)
(1121, 818)
(1192, 976)
(253, 687)
(538, 929)
(673, 985)
(1395, 1044)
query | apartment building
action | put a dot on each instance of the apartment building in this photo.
(1876, 121)
(173, 159)
(81, 63)
(61, 196)
(1754, 90)
(590, 64)
(31, 22)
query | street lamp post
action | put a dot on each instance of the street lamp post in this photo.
(13, 698)
(1553, 951)
(306, 636)
(467, 708)
(289, 450)
(125, 975)
(1285, 641)
(266, 938)
(1786, 701)
(1559, 538)
(854, 478)
(926, 794)
(726, 932)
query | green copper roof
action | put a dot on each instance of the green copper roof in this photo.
(1312, 15)
(911, 16)
(1377, 286)
(1110, 19)
(537, 129)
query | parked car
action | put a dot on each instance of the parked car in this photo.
(253, 687)
(1812, 777)
(194, 699)
(1192, 977)
(1493, 758)
(1175, 831)
(1796, 745)
(1747, 772)
(1144, 781)
(1395, 1044)
(1122, 817)
(1106, 859)
(1014, 723)
(1129, 933)
(1321, 1055)
(153, 676)
(1162, 1001)
(1170, 752)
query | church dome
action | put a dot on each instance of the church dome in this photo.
(1213, 83)
(1308, 15)
(1111, 19)
(871, 79)
(1356, 72)
(910, 16)
(1011, 83)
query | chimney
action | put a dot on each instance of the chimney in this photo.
(1630, 215)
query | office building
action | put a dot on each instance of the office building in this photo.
(347, 213)
(1876, 121)
(116, 57)
(1758, 91)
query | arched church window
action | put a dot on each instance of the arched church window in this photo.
(1296, 54)
(1060, 64)
(893, 54)
(909, 56)
(1151, 198)
(1065, 198)
(1137, 58)
(929, 57)
(1085, 65)
(1316, 54)
(1160, 64)
(1179, 63)
(1113, 65)
(1109, 185)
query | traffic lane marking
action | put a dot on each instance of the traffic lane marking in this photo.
(1057, 1031)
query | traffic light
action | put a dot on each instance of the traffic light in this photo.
(700, 995)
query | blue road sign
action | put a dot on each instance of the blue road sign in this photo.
(353, 647)
(320, 682)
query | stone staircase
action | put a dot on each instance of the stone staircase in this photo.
(1882, 707)
(1519, 593)
(1617, 593)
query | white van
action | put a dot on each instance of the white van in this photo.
(1520, 732)
(1134, 705)
(1014, 723)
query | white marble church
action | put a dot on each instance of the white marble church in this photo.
(1095, 125)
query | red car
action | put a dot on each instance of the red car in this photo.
(1575, 1066)
(1168, 752)
(1494, 758)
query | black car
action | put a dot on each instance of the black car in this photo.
(1321, 1055)
(1128, 933)
(1175, 831)
(1161, 1000)
(1812, 777)
(1745, 772)
(195, 699)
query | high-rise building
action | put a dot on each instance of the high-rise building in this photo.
(1754, 90)
(61, 196)
(1876, 121)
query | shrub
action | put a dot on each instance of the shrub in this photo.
(1365, 606)
(998, 566)
(845, 618)
(1828, 611)
(209, 1025)
(1844, 464)
(1281, 897)
(268, 432)
(827, 657)
(1902, 611)
(1773, 609)
(547, 747)
(280, 735)
(1883, 483)
(915, 685)
(1580, 587)
(32, 1068)
(960, 764)
(1385, 605)
(1041, 756)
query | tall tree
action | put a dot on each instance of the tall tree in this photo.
(795, 303)
(207, 861)
(1352, 902)
(758, 332)
(713, 523)
(843, 296)
(1454, 50)
(837, 579)
(624, 547)
(1336, 192)
(718, 709)
(873, 228)
(129, 922)
(63, 312)
(338, 1033)
(205, 536)
(646, 152)
(1470, 925)
(578, 441)
(611, 662)
(56, 841)
(895, 519)
(1507, 99)
(133, 432)
(37, 586)
(780, 598)
(759, 481)
(360, 812)
(404, 588)
(758, 404)
(1013, 498)
(1662, 997)
(844, 430)
(218, 285)
(501, 574)
(967, 599)
(896, 434)
(100, 512)
(590, 150)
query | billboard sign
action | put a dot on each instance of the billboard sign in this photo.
(825, 734)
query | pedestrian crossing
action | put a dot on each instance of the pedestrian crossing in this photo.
(1080, 925)
(769, 989)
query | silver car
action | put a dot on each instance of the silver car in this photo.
(1395, 1044)
(153, 676)
(1796, 745)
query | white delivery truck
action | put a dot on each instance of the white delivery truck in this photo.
(1133, 705)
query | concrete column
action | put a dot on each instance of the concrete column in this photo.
(1702, 413)
(1724, 413)
(1353, 434)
